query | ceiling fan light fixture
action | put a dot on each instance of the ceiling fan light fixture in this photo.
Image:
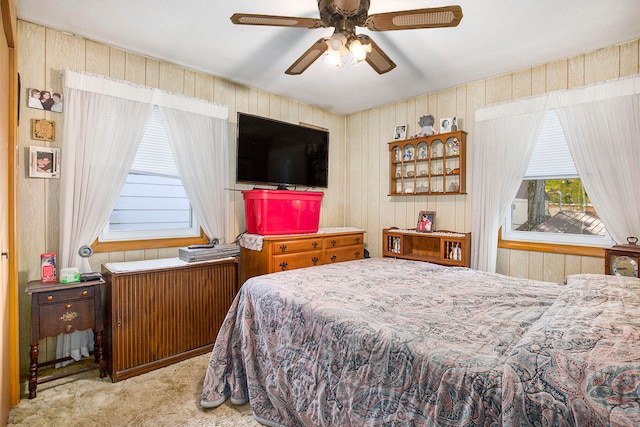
(344, 46)
(334, 58)
(337, 42)
(358, 51)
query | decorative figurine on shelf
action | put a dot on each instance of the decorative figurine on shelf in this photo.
(453, 146)
(426, 126)
(422, 152)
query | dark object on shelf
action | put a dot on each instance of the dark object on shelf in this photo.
(88, 277)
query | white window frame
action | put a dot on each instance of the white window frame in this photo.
(551, 148)
(155, 146)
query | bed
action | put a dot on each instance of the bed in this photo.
(392, 342)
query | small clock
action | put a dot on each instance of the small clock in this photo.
(623, 260)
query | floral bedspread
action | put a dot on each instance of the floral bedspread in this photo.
(401, 343)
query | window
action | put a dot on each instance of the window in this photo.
(153, 203)
(551, 205)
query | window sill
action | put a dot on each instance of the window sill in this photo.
(592, 251)
(131, 245)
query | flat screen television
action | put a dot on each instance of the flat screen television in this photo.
(273, 152)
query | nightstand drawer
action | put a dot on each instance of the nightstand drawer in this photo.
(65, 295)
(67, 317)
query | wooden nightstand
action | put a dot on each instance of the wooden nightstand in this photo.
(64, 308)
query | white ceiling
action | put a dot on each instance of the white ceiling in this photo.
(494, 37)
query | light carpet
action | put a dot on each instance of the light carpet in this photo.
(168, 396)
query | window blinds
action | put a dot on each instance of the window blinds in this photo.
(154, 154)
(551, 158)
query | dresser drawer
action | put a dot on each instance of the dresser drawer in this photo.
(299, 245)
(348, 253)
(293, 261)
(66, 317)
(339, 241)
(65, 295)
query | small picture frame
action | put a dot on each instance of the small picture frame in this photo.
(400, 132)
(426, 221)
(445, 124)
(44, 162)
(43, 130)
(44, 100)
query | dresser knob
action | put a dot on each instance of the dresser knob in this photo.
(315, 245)
(333, 243)
(68, 328)
(314, 260)
(68, 306)
(283, 248)
(334, 258)
(85, 293)
(283, 265)
(357, 254)
(49, 297)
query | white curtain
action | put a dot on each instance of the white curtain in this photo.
(76, 345)
(584, 113)
(502, 149)
(104, 122)
(200, 149)
(102, 134)
(603, 137)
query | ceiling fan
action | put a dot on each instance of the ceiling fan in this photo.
(345, 16)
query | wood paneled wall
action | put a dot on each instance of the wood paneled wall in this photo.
(368, 133)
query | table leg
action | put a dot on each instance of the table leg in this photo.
(33, 370)
(99, 355)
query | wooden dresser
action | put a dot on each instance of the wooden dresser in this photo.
(288, 252)
(161, 312)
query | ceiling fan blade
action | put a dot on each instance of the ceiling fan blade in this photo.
(435, 17)
(308, 58)
(378, 60)
(278, 21)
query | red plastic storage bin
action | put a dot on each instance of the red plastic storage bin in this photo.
(282, 211)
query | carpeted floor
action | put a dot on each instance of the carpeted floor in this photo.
(165, 397)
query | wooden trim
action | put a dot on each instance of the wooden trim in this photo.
(592, 251)
(9, 24)
(132, 245)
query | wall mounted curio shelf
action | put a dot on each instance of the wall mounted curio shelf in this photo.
(428, 165)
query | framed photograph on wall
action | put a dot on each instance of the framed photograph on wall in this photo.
(426, 221)
(44, 162)
(44, 100)
(445, 125)
(400, 132)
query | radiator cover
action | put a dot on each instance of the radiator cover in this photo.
(158, 317)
